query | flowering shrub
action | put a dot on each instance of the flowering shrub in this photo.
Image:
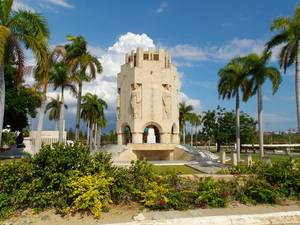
(69, 178)
(260, 191)
(89, 192)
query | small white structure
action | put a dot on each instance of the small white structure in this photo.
(151, 136)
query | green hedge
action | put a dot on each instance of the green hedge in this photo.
(70, 179)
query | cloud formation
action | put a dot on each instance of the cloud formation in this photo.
(161, 8)
(61, 3)
(40, 4)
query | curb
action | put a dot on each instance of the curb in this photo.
(291, 217)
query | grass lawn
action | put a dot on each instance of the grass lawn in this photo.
(180, 168)
(256, 156)
(3, 161)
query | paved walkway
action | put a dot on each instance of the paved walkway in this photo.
(262, 214)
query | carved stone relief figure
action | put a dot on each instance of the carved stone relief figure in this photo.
(166, 98)
(135, 101)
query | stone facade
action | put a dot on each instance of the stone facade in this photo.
(148, 87)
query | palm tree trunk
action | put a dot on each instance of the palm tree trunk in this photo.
(183, 132)
(61, 117)
(238, 127)
(91, 135)
(260, 123)
(88, 133)
(77, 126)
(95, 138)
(191, 135)
(38, 138)
(2, 98)
(196, 138)
(297, 88)
(100, 137)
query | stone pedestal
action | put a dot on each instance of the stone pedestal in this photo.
(266, 160)
(233, 159)
(223, 157)
(248, 160)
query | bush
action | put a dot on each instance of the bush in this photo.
(69, 179)
(89, 192)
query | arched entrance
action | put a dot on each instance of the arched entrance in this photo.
(151, 135)
(127, 135)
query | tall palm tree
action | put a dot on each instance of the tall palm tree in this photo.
(193, 120)
(198, 123)
(289, 35)
(92, 111)
(60, 77)
(17, 28)
(42, 76)
(258, 72)
(79, 59)
(55, 106)
(101, 123)
(232, 78)
(184, 113)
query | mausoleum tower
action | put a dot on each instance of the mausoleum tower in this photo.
(147, 102)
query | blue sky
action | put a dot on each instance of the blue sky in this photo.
(200, 35)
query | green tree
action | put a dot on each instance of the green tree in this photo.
(55, 106)
(71, 134)
(79, 59)
(184, 114)
(17, 107)
(289, 36)
(60, 77)
(92, 109)
(258, 72)
(232, 78)
(19, 28)
(220, 124)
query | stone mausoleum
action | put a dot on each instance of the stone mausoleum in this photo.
(147, 103)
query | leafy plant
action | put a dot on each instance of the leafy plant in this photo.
(8, 138)
(89, 192)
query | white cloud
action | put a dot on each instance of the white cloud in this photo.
(161, 8)
(130, 41)
(178, 64)
(61, 3)
(193, 102)
(226, 24)
(237, 47)
(21, 5)
(275, 118)
(38, 5)
(287, 97)
(266, 98)
(187, 52)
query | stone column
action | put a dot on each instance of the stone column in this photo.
(233, 159)
(266, 160)
(175, 139)
(121, 138)
(137, 138)
(165, 138)
(248, 160)
(223, 157)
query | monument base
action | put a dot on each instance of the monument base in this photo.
(159, 152)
